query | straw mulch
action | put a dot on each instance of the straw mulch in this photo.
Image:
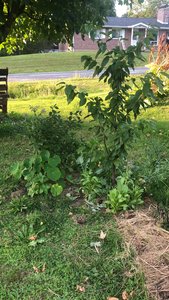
(142, 231)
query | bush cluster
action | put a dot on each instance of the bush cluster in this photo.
(55, 134)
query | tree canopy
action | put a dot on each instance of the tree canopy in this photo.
(52, 18)
(148, 9)
(32, 20)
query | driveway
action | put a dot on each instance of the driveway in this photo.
(23, 77)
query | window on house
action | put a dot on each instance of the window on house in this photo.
(153, 37)
(117, 33)
(100, 34)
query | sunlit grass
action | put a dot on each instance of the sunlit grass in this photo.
(44, 95)
(49, 62)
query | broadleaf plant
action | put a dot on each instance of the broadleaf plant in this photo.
(40, 173)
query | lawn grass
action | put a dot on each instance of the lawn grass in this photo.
(44, 95)
(48, 62)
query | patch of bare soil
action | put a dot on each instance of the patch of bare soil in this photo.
(143, 233)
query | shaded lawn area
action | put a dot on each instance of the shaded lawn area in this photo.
(49, 62)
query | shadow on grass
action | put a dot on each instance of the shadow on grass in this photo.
(13, 124)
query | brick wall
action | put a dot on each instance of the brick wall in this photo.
(63, 47)
(163, 15)
(128, 37)
(88, 44)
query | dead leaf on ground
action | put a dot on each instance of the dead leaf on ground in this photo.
(112, 298)
(36, 269)
(44, 267)
(102, 235)
(33, 237)
(125, 295)
(80, 288)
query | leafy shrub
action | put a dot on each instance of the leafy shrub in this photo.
(150, 163)
(41, 174)
(91, 156)
(93, 187)
(55, 134)
(126, 195)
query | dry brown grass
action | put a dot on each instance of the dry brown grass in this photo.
(143, 233)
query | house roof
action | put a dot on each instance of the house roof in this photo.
(131, 22)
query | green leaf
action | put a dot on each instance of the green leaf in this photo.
(56, 190)
(84, 58)
(45, 154)
(28, 163)
(82, 97)
(105, 61)
(92, 64)
(80, 160)
(37, 165)
(54, 161)
(16, 170)
(53, 173)
(70, 93)
(97, 71)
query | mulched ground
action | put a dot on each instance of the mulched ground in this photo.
(143, 233)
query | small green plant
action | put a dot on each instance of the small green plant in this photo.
(32, 231)
(40, 173)
(126, 195)
(92, 186)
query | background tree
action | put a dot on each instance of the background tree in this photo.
(34, 20)
(51, 18)
(148, 9)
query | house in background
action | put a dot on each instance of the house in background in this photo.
(125, 31)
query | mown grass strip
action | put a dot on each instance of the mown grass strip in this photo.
(48, 62)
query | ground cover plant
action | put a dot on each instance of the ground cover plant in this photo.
(48, 62)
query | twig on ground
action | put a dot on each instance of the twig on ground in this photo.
(151, 266)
